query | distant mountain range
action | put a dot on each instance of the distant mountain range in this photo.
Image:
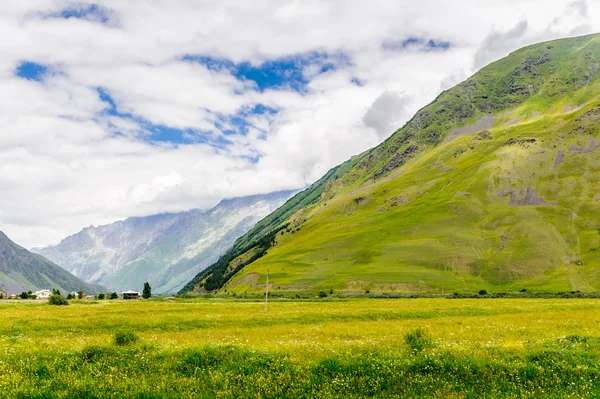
(495, 185)
(21, 270)
(166, 250)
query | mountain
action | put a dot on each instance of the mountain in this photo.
(21, 270)
(494, 185)
(166, 250)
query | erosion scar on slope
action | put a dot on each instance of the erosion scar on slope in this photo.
(484, 123)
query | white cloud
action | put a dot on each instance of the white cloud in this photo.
(387, 112)
(574, 19)
(66, 162)
(498, 44)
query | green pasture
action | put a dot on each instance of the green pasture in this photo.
(334, 348)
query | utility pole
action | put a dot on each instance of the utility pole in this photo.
(267, 293)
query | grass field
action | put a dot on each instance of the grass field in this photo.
(467, 348)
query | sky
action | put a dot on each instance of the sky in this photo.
(116, 108)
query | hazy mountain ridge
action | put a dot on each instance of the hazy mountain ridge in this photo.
(166, 249)
(21, 270)
(494, 184)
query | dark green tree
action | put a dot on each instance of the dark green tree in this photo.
(147, 293)
(113, 295)
(57, 300)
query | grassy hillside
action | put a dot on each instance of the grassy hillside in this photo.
(21, 270)
(255, 243)
(495, 185)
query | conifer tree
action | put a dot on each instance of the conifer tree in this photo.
(147, 293)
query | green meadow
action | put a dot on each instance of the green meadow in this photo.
(328, 348)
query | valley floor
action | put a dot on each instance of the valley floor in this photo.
(396, 348)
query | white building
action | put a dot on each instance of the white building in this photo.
(42, 294)
(131, 294)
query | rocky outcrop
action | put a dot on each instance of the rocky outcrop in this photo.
(524, 197)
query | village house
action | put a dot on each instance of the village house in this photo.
(131, 294)
(42, 294)
(3, 295)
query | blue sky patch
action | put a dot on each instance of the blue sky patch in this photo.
(358, 82)
(159, 133)
(31, 70)
(105, 97)
(254, 159)
(239, 123)
(282, 73)
(226, 124)
(154, 133)
(88, 12)
(287, 73)
(416, 42)
(437, 44)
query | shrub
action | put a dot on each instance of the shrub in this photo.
(418, 339)
(322, 294)
(483, 292)
(27, 295)
(100, 296)
(523, 290)
(57, 300)
(94, 352)
(124, 338)
(113, 295)
(577, 339)
(1, 296)
(70, 296)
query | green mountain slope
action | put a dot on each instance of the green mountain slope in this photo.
(255, 243)
(21, 270)
(495, 184)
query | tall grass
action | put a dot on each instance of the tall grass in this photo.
(561, 370)
(368, 348)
